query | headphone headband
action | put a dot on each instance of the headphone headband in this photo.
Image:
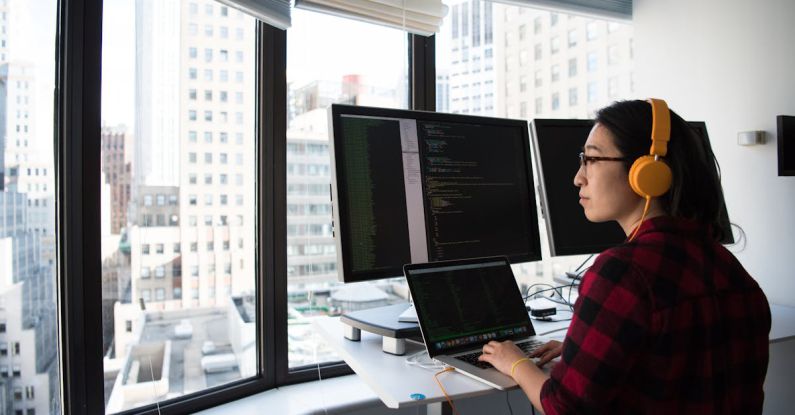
(660, 127)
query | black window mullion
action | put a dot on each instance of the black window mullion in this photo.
(272, 202)
(422, 67)
(77, 158)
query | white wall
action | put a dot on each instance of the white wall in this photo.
(731, 63)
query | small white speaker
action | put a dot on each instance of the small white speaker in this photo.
(750, 138)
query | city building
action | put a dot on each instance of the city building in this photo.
(470, 70)
(557, 65)
(116, 167)
(28, 342)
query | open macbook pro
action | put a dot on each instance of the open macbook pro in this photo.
(462, 305)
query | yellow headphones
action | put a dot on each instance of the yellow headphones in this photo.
(649, 176)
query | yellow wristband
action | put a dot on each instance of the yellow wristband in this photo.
(516, 363)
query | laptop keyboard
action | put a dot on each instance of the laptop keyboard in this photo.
(472, 358)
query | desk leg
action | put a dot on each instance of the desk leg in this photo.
(439, 408)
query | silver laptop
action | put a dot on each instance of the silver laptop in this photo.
(462, 305)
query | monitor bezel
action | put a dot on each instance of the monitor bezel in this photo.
(340, 223)
(554, 249)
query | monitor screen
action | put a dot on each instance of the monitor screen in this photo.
(556, 144)
(413, 186)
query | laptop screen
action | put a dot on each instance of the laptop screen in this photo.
(464, 304)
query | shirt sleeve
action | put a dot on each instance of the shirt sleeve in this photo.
(603, 343)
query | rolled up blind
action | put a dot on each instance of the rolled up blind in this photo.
(421, 17)
(273, 12)
(611, 9)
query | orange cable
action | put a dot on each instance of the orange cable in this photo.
(642, 217)
(450, 401)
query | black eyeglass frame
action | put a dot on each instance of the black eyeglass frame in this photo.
(584, 160)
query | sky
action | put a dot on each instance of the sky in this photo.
(318, 48)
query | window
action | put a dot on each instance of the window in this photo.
(555, 73)
(184, 169)
(591, 31)
(572, 67)
(592, 62)
(554, 45)
(555, 101)
(572, 38)
(306, 60)
(593, 93)
(572, 97)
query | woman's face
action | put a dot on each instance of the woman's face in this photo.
(604, 187)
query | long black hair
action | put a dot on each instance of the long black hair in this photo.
(696, 192)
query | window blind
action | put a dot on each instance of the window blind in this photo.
(273, 12)
(421, 17)
(610, 9)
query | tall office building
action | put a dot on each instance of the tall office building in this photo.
(472, 47)
(156, 248)
(555, 65)
(16, 110)
(311, 255)
(27, 311)
(195, 137)
(157, 72)
(117, 169)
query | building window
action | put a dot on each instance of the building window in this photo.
(593, 95)
(572, 67)
(592, 62)
(572, 97)
(591, 31)
(572, 37)
(555, 73)
(554, 45)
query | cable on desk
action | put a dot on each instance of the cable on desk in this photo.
(422, 360)
(450, 401)
(508, 400)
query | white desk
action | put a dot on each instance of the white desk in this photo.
(393, 380)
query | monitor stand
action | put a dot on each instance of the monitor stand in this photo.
(382, 321)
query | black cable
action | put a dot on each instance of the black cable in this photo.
(508, 400)
(583, 262)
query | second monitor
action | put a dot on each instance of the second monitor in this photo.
(556, 143)
(413, 186)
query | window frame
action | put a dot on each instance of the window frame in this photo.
(78, 69)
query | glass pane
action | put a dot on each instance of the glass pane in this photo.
(178, 187)
(505, 70)
(29, 375)
(329, 60)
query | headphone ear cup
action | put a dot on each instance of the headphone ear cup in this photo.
(649, 177)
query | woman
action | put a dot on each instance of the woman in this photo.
(668, 322)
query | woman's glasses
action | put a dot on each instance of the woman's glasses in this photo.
(584, 160)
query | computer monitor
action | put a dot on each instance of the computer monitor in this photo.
(556, 144)
(414, 186)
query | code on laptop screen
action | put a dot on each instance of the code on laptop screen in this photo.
(462, 305)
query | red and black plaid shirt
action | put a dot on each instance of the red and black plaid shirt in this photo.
(669, 323)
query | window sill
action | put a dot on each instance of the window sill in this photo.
(343, 394)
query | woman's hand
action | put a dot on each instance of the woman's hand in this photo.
(547, 352)
(501, 355)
